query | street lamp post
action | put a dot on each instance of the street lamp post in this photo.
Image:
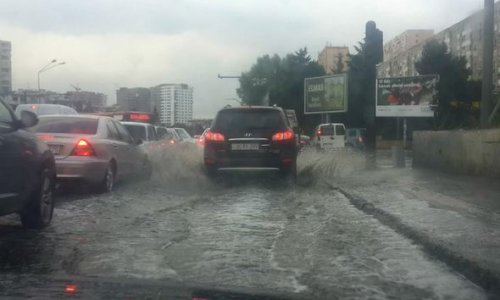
(47, 67)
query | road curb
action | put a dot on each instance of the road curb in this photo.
(487, 279)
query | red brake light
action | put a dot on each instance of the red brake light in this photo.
(283, 136)
(214, 136)
(172, 141)
(70, 288)
(83, 148)
(318, 132)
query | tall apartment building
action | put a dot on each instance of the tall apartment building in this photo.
(332, 58)
(5, 69)
(405, 41)
(462, 39)
(134, 99)
(174, 103)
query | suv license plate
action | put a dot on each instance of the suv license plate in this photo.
(244, 147)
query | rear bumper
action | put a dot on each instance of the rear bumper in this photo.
(226, 160)
(81, 168)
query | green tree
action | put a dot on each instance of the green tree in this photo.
(280, 81)
(339, 64)
(455, 91)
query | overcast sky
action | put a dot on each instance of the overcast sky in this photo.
(114, 43)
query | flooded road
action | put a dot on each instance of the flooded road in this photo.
(237, 232)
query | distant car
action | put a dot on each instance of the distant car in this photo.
(166, 136)
(355, 137)
(27, 170)
(143, 132)
(46, 109)
(185, 136)
(257, 137)
(303, 140)
(95, 149)
(330, 136)
(200, 140)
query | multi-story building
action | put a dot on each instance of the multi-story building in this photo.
(462, 39)
(134, 99)
(5, 69)
(405, 41)
(334, 59)
(82, 101)
(174, 103)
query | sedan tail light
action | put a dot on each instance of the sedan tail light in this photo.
(214, 136)
(283, 136)
(83, 148)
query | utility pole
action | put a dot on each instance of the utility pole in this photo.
(375, 55)
(488, 40)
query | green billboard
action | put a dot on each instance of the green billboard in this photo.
(326, 94)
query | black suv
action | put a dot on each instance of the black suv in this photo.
(254, 137)
(27, 170)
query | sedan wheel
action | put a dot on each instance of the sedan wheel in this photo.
(38, 213)
(108, 181)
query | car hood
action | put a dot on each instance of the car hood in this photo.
(78, 287)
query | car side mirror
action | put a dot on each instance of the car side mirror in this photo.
(28, 119)
(139, 142)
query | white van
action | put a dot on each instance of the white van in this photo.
(46, 109)
(330, 136)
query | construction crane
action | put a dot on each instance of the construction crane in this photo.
(75, 87)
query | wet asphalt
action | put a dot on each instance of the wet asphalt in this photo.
(240, 232)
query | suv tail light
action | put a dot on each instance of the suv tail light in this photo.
(318, 132)
(214, 136)
(83, 148)
(283, 136)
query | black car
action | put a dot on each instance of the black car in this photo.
(251, 138)
(27, 170)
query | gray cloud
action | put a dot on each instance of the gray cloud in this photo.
(133, 43)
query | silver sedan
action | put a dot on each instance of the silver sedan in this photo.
(96, 149)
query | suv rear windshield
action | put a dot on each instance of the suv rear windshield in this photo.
(136, 131)
(327, 130)
(67, 125)
(244, 120)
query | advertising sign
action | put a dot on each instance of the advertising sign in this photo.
(406, 96)
(326, 94)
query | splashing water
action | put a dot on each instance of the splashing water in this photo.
(179, 165)
(182, 165)
(335, 163)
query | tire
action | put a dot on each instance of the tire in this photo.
(38, 213)
(108, 182)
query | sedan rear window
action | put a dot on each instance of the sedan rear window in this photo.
(67, 125)
(242, 120)
(136, 131)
